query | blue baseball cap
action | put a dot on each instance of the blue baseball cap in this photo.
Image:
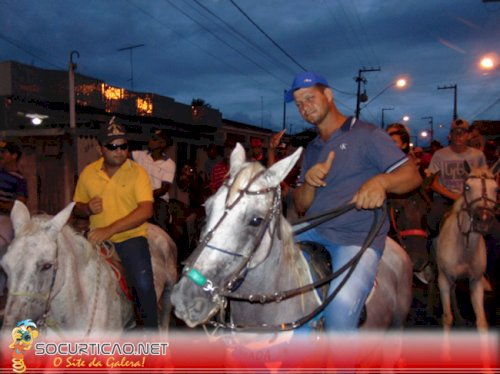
(302, 80)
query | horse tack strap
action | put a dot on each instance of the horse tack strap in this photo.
(405, 233)
(413, 232)
(117, 268)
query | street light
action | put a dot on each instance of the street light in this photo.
(400, 83)
(383, 110)
(488, 62)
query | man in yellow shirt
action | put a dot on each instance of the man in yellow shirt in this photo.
(116, 194)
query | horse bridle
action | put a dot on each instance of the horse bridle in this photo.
(220, 295)
(218, 292)
(42, 321)
(402, 234)
(470, 206)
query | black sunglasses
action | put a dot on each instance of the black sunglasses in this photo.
(114, 147)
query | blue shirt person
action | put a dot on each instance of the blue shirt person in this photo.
(349, 161)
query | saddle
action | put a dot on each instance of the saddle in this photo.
(320, 264)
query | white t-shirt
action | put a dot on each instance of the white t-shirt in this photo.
(451, 165)
(159, 171)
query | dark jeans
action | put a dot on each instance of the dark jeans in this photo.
(136, 259)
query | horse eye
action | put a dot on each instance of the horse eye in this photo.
(256, 221)
(46, 266)
(466, 187)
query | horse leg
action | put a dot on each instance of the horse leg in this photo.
(164, 309)
(459, 320)
(445, 289)
(477, 300)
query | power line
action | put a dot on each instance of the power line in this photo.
(243, 37)
(182, 36)
(17, 45)
(223, 41)
(267, 36)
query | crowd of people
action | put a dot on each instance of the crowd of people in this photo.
(350, 160)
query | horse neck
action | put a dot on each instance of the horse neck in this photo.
(75, 280)
(283, 269)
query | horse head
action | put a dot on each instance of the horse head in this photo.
(31, 263)
(409, 224)
(480, 196)
(242, 218)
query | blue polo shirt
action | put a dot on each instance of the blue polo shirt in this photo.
(362, 151)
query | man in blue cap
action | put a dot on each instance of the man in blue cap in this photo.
(349, 161)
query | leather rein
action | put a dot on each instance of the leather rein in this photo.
(220, 295)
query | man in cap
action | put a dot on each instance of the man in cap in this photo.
(349, 161)
(115, 193)
(161, 170)
(447, 164)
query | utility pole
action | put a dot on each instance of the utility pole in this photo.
(454, 88)
(131, 48)
(360, 78)
(431, 123)
(383, 110)
(71, 80)
(72, 123)
(284, 110)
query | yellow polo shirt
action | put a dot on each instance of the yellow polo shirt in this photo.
(120, 194)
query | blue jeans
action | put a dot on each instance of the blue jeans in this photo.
(136, 260)
(344, 310)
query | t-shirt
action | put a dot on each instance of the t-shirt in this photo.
(451, 166)
(159, 171)
(120, 194)
(362, 151)
(12, 185)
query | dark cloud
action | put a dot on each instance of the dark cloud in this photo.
(210, 50)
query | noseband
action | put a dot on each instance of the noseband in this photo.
(402, 234)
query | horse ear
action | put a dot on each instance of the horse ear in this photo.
(20, 216)
(495, 169)
(280, 170)
(59, 220)
(467, 167)
(238, 157)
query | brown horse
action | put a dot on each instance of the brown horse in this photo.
(461, 249)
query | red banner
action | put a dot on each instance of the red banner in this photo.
(234, 352)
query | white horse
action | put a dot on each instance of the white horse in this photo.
(248, 245)
(461, 250)
(57, 278)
